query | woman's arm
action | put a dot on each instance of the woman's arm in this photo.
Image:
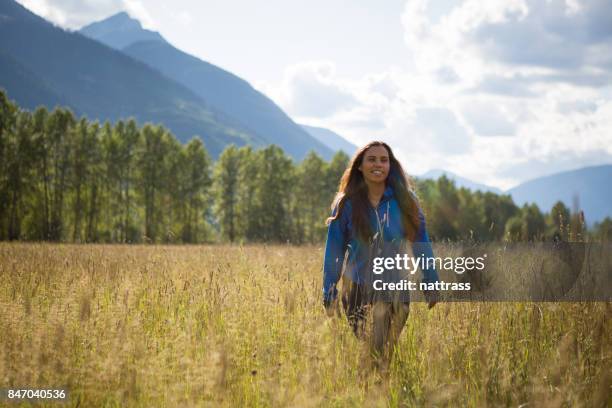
(335, 247)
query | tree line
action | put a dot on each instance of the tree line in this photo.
(65, 179)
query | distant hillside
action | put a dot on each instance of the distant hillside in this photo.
(222, 90)
(331, 139)
(590, 185)
(459, 181)
(45, 65)
(26, 87)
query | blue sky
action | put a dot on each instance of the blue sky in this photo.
(497, 91)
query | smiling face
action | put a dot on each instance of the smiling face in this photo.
(375, 165)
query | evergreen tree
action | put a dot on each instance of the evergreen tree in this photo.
(514, 229)
(534, 224)
(333, 173)
(471, 222)
(153, 179)
(111, 181)
(559, 220)
(195, 191)
(36, 222)
(529, 225)
(94, 185)
(226, 177)
(445, 211)
(498, 209)
(311, 195)
(128, 137)
(84, 142)
(426, 192)
(272, 195)
(19, 160)
(8, 119)
(173, 173)
(57, 142)
(602, 231)
(246, 215)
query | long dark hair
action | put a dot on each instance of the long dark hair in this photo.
(352, 186)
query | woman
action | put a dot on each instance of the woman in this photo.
(374, 214)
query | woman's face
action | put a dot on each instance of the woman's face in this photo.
(375, 164)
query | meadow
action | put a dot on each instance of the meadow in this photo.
(148, 326)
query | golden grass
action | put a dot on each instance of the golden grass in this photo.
(244, 326)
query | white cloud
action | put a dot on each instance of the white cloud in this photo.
(487, 119)
(311, 89)
(553, 40)
(435, 129)
(537, 72)
(580, 105)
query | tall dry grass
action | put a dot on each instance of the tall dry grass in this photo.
(244, 326)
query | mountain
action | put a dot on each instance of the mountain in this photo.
(46, 65)
(26, 87)
(459, 181)
(331, 139)
(587, 184)
(221, 89)
(119, 31)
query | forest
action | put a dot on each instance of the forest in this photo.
(70, 179)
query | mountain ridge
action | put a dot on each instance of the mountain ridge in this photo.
(119, 31)
(104, 84)
(586, 184)
(223, 91)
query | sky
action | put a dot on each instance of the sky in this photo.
(499, 92)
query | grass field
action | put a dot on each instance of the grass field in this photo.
(244, 326)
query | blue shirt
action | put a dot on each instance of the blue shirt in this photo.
(388, 230)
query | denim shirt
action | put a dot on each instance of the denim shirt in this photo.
(385, 222)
